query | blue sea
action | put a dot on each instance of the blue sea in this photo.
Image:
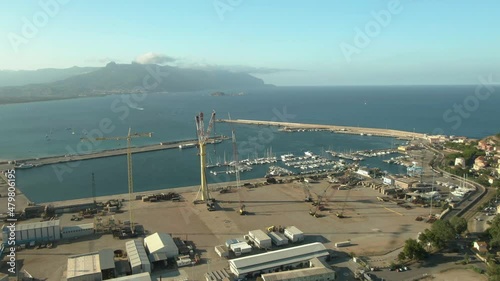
(40, 129)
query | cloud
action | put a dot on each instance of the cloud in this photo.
(153, 58)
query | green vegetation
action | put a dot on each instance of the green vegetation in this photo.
(494, 272)
(468, 151)
(412, 250)
(459, 224)
(494, 232)
(441, 232)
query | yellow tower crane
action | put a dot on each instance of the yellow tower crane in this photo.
(203, 136)
(129, 138)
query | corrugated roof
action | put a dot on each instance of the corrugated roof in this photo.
(278, 258)
(145, 276)
(85, 264)
(292, 229)
(136, 253)
(35, 225)
(160, 241)
(292, 274)
(276, 236)
(107, 259)
(259, 235)
(78, 227)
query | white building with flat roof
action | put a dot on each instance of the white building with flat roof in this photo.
(317, 270)
(270, 261)
(84, 267)
(137, 257)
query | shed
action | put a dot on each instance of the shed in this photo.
(160, 245)
(107, 263)
(137, 257)
(76, 231)
(278, 238)
(145, 276)
(84, 267)
(260, 238)
(294, 234)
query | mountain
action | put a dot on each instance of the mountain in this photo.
(47, 75)
(129, 78)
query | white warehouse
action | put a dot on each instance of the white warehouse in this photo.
(37, 232)
(160, 246)
(137, 257)
(270, 261)
(260, 239)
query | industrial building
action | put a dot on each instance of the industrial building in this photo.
(107, 263)
(137, 257)
(278, 238)
(317, 270)
(94, 266)
(294, 234)
(271, 261)
(34, 233)
(145, 276)
(160, 246)
(240, 248)
(260, 239)
(76, 231)
(84, 267)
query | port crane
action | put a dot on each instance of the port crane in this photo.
(128, 138)
(340, 214)
(242, 208)
(320, 202)
(307, 192)
(203, 135)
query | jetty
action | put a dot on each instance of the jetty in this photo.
(295, 127)
(36, 162)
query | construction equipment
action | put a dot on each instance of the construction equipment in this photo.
(203, 136)
(307, 192)
(318, 203)
(340, 214)
(129, 163)
(242, 208)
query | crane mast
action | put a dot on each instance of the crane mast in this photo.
(203, 136)
(129, 164)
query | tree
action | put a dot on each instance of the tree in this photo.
(442, 232)
(413, 250)
(459, 224)
(494, 232)
(401, 256)
(494, 272)
(466, 258)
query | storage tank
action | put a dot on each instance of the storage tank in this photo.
(294, 234)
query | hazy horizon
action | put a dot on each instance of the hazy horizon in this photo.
(285, 43)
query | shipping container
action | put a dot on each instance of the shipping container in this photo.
(342, 244)
(278, 238)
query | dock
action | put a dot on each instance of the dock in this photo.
(36, 162)
(294, 127)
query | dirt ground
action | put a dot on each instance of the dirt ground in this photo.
(458, 275)
(373, 227)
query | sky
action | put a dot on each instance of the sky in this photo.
(284, 42)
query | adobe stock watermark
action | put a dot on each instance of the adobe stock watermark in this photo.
(363, 37)
(223, 6)
(121, 107)
(31, 26)
(455, 115)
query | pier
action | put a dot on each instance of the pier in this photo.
(295, 127)
(114, 152)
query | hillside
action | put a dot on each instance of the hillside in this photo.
(128, 78)
(46, 75)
